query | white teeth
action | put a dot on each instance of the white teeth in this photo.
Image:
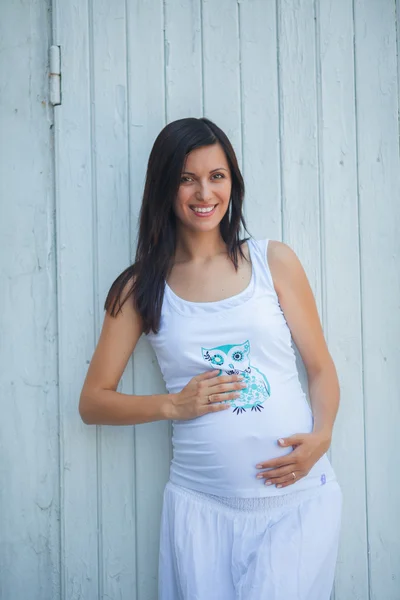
(203, 210)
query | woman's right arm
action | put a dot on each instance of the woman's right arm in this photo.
(101, 404)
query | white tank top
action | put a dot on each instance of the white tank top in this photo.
(247, 333)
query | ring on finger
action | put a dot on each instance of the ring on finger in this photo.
(209, 399)
(294, 475)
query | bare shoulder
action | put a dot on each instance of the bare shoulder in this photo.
(279, 252)
(124, 323)
(284, 263)
(120, 298)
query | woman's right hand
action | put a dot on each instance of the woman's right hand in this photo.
(204, 394)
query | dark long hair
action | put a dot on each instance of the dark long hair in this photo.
(145, 279)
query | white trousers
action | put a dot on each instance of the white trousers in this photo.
(283, 548)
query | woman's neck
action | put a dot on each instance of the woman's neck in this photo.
(199, 246)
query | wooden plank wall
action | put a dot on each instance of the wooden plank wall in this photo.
(29, 445)
(308, 92)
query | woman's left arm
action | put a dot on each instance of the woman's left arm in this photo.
(299, 308)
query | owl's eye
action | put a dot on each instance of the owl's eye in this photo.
(217, 359)
(237, 356)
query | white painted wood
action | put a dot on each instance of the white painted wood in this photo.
(115, 450)
(341, 281)
(397, 8)
(147, 105)
(261, 115)
(299, 118)
(76, 262)
(29, 484)
(379, 198)
(221, 65)
(183, 59)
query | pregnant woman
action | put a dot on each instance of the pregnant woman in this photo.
(252, 507)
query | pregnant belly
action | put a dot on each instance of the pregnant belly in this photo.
(218, 453)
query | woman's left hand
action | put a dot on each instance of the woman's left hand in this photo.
(307, 449)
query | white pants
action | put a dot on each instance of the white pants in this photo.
(284, 548)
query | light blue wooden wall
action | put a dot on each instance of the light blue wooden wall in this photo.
(29, 420)
(308, 92)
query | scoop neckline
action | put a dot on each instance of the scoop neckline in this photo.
(230, 301)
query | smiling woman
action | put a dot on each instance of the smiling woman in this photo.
(252, 508)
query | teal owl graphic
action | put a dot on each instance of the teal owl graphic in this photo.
(234, 359)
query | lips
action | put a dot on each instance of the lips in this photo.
(203, 211)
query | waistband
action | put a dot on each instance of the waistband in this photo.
(251, 505)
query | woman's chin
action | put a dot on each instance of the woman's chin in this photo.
(203, 227)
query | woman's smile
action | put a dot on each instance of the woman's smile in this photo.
(204, 211)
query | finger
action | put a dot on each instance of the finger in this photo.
(293, 440)
(288, 480)
(224, 379)
(212, 408)
(206, 375)
(276, 473)
(222, 397)
(282, 461)
(227, 387)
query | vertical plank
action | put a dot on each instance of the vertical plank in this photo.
(340, 240)
(222, 97)
(261, 146)
(112, 255)
(299, 142)
(300, 181)
(183, 59)
(145, 24)
(74, 204)
(29, 485)
(397, 7)
(379, 193)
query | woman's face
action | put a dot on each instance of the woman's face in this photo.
(205, 189)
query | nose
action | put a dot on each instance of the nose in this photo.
(203, 192)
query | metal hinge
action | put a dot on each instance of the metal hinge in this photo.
(55, 75)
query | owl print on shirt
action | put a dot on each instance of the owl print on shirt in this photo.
(234, 359)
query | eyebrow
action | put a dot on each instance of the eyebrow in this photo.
(213, 170)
